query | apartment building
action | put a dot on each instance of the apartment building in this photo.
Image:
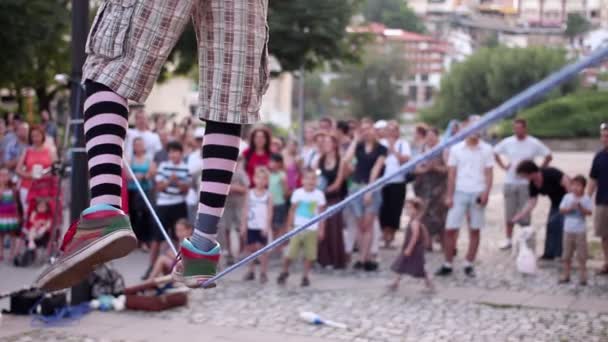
(426, 60)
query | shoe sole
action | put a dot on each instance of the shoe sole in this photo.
(78, 266)
(193, 282)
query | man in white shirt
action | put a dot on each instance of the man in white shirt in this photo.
(470, 179)
(518, 147)
(151, 140)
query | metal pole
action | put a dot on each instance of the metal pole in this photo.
(79, 176)
(301, 106)
(79, 179)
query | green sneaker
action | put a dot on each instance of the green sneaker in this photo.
(102, 234)
(194, 267)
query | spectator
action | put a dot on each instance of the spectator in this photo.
(419, 140)
(151, 140)
(9, 214)
(393, 194)
(32, 163)
(309, 150)
(258, 153)
(144, 169)
(343, 136)
(306, 203)
(575, 207)
(469, 184)
(13, 121)
(162, 155)
(233, 213)
(411, 259)
(160, 123)
(172, 184)
(257, 229)
(194, 160)
(326, 124)
(50, 127)
(598, 186)
(517, 148)
(381, 130)
(276, 146)
(16, 147)
(165, 262)
(3, 140)
(277, 186)
(293, 165)
(370, 156)
(331, 170)
(555, 184)
(431, 182)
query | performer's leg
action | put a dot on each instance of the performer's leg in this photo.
(220, 151)
(105, 114)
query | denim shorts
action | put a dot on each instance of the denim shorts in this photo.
(359, 208)
(465, 205)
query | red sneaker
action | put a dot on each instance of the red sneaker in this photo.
(103, 233)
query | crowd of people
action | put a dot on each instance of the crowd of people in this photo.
(280, 184)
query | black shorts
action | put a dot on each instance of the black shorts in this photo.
(255, 236)
(393, 198)
(168, 215)
(279, 216)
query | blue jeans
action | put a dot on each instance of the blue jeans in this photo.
(555, 234)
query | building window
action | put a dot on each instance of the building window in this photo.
(413, 93)
(428, 93)
(424, 77)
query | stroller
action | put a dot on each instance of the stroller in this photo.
(41, 230)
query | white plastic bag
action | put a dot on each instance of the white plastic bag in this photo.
(526, 259)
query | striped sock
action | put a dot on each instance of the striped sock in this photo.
(105, 128)
(220, 151)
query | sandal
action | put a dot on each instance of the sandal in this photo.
(564, 280)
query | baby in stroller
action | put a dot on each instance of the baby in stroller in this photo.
(38, 233)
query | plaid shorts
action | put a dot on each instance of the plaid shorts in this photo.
(130, 41)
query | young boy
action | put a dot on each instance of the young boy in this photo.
(575, 206)
(277, 185)
(256, 229)
(306, 203)
(164, 263)
(234, 208)
(172, 184)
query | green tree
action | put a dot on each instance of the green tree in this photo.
(576, 25)
(303, 33)
(490, 77)
(370, 89)
(35, 46)
(393, 14)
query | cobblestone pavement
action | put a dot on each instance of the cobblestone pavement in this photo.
(372, 314)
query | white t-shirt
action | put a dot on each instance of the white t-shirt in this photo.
(574, 221)
(391, 163)
(517, 151)
(471, 163)
(309, 155)
(257, 216)
(307, 206)
(151, 142)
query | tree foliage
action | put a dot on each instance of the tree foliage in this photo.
(370, 89)
(574, 115)
(576, 25)
(34, 36)
(490, 77)
(393, 14)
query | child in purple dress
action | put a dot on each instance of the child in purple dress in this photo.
(411, 259)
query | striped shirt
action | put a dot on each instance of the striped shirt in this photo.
(172, 194)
